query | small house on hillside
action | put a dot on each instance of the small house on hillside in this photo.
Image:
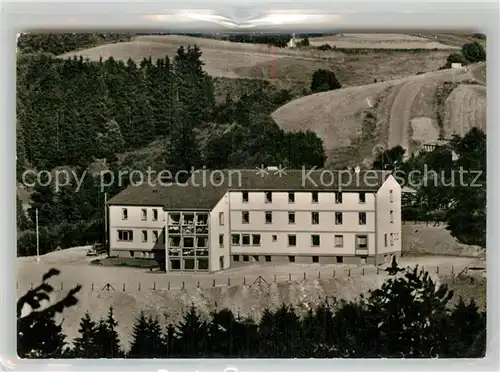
(292, 43)
(432, 145)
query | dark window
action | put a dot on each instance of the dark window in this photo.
(202, 264)
(175, 264)
(362, 241)
(245, 258)
(235, 239)
(291, 197)
(155, 214)
(362, 218)
(315, 242)
(245, 239)
(256, 258)
(292, 240)
(144, 236)
(245, 217)
(291, 218)
(144, 214)
(132, 253)
(221, 240)
(385, 240)
(124, 214)
(338, 218)
(268, 258)
(362, 197)
(221, 262)
(340, 259)
(269, 217)
(315, 259)
(188, 264)
(255, 239)
(338, 197)
(202, 241)
(291, 258)
(244, 196)
(236, 258)
(315, 218)
(314, 196)
(125, 235)
(275, 238)
(269, 197)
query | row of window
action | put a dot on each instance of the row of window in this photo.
(128, 235)
(255, 239)
(144, 214)
(248, 239)
(291, 197)
(314, 197)
(314, 259)
(245, 218)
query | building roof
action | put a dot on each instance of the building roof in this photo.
(205, 188)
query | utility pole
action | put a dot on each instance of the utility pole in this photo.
(37, 238)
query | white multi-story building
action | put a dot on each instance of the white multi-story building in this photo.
(223, 219)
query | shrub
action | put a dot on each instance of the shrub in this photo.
(474, 52)
(456, 58)
(324, 80)
(325, 47)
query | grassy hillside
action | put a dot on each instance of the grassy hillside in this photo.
(380, 41)
(404, 112)
(291, 66)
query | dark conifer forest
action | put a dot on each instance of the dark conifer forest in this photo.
(72, 112)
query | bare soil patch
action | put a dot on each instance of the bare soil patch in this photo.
(422, 239)
(423, 129)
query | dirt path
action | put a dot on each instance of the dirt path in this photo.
(400, 115)
(399, 120)
(478, 72)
